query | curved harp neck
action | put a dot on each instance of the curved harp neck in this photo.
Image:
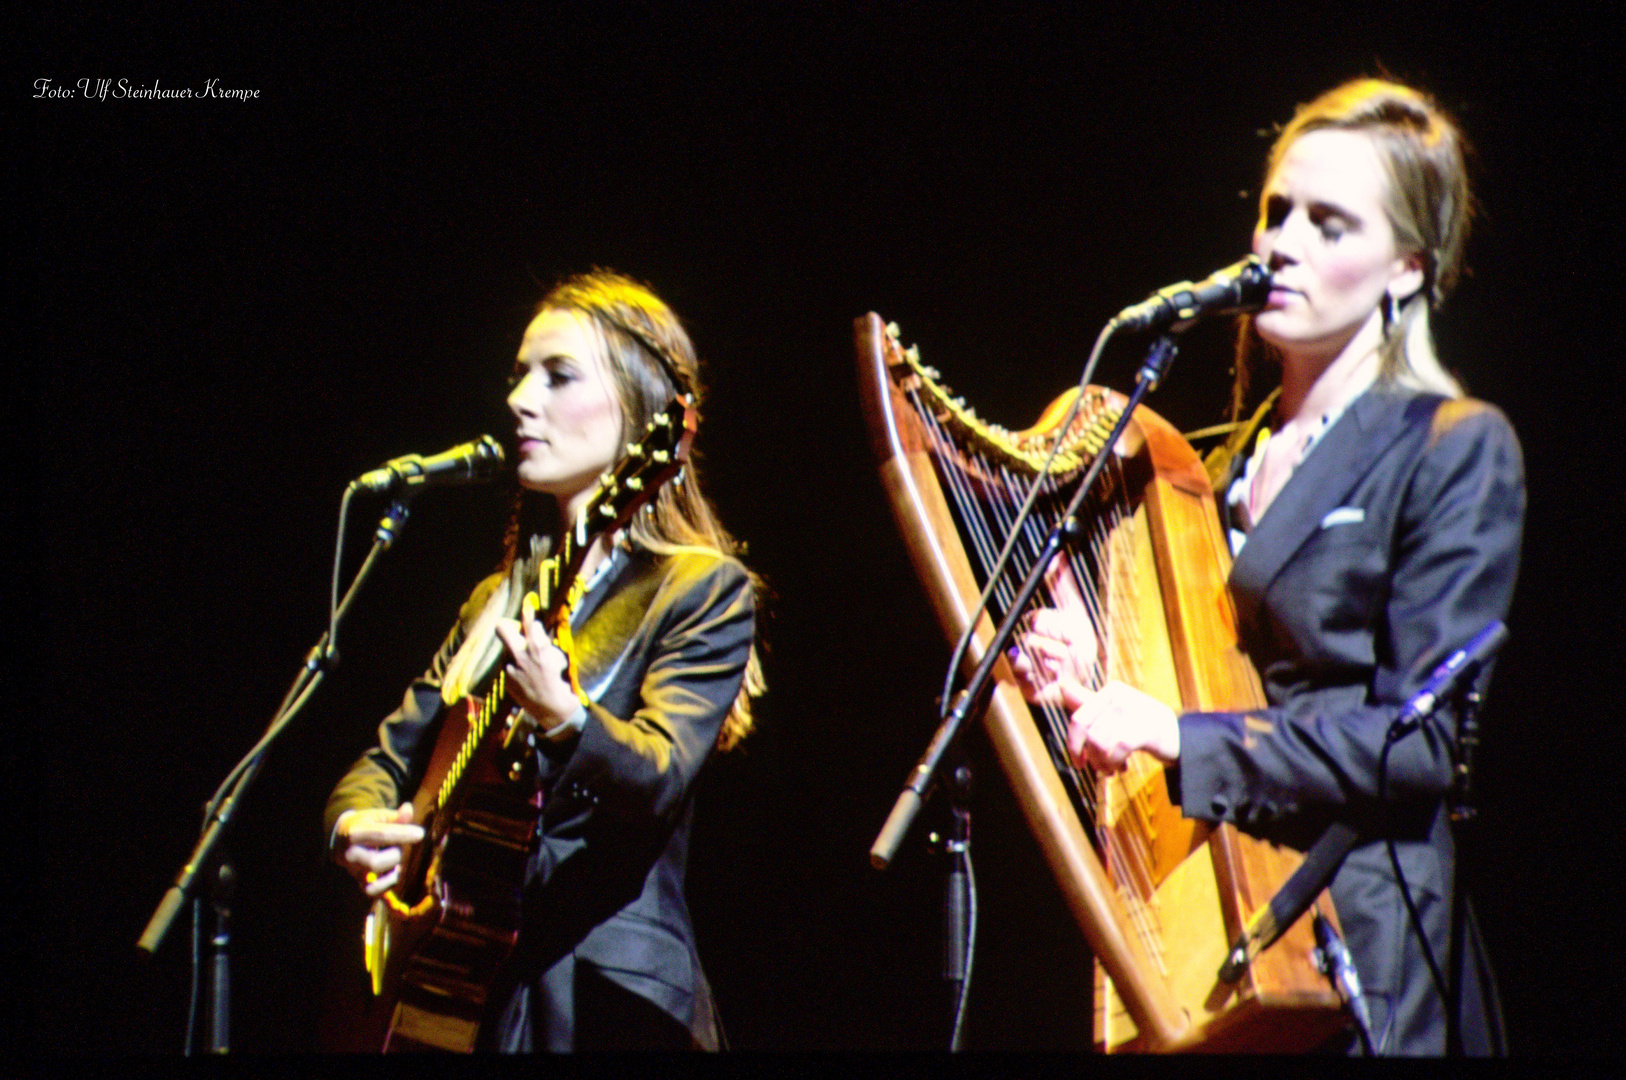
(1025, 452)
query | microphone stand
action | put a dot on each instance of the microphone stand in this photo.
(1455, 681)
(1463, 812)
(205, 857)
(223, 884)
(959, 900)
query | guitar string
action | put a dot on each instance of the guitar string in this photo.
(490, 704)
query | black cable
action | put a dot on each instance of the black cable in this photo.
(1405, 890)
(1490, 993)
(333, 589)
(316, 664)
(197, 979)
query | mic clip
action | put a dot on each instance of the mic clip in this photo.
(1158, 359)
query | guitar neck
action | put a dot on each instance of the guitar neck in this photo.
(558, 573)
(657, 457)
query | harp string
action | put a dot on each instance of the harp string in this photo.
(1128, 849)
(986, 522)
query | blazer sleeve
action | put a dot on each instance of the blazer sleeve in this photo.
(1454, 560)
(641, 767)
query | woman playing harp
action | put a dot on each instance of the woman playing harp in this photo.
(1376, 530)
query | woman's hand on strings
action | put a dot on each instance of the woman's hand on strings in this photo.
(1109, 724)
(537, 671)
(1058, 661)
(1057, 658)
(369, 844)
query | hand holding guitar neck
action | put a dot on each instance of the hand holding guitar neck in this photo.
(539, 673)
(542, 675)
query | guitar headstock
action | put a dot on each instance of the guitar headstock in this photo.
(658, 455)
(654, 459)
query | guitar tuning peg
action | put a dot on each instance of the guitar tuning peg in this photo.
(634, 450)
(606, 510)
(892, 330)
(661, 420)
(660, 456)
(635, 483)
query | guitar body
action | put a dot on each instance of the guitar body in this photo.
(439, 939)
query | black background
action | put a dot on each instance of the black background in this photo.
(232, 308)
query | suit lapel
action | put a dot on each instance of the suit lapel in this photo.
(1335, 466)
(609, 617)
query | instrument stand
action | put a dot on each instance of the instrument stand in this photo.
(205, 859)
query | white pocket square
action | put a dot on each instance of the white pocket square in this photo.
(1344, 515)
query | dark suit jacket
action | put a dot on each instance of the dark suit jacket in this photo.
(661, 647)
(1392, 544)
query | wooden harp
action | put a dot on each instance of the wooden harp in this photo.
(1159, 897)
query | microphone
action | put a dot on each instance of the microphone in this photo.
(470, 463)
(1462, 664)
(1242, 286)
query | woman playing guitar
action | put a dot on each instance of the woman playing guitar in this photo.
(623, 563)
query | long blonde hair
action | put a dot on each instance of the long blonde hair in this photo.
(1429, 206)
(651, 360)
